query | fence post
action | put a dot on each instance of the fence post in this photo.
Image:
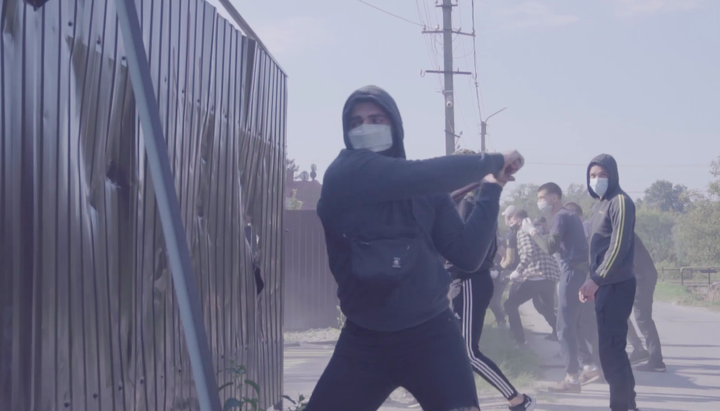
(682, 276)
(169, 209)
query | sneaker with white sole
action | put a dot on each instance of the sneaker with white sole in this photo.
(566, 386)
(527, 405)
(590, 375)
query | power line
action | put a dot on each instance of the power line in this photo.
(477, 85)
(394, 15)
(624, 165)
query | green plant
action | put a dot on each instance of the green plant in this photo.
(298, 405)
(238, 373)
(293, 203)
(341, 317)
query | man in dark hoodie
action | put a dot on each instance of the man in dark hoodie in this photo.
(575, 321)
(473, 299)
(389, 224)
(612, 280)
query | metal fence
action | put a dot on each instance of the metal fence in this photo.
(310, 289)
(89, 317)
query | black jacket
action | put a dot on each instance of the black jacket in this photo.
(389, 224)
(645, 270)
(612, 229)
(465, 209)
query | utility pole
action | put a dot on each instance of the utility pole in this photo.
(483, 129)
(447, 68)
(448, 89)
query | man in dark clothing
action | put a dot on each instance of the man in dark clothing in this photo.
(388, 222)
(576, 325)
(471, 304)
(534, 278)
(646, 276)
(612, 280)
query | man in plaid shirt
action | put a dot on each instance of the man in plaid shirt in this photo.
(534, 278)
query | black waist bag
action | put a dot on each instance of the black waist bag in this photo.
(383, 256)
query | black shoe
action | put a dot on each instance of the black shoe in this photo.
(527, 405)
(638, 356)
(648, 367)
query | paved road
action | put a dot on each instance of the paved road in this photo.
(691, 338)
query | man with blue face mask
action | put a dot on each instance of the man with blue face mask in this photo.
(575, 321)
(612, 279)
(390, 224)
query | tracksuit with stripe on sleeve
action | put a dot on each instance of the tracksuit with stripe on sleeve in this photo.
(612, 249)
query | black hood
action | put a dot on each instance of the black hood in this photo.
(380, 97)
(610, 165)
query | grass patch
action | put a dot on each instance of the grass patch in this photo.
(520, 366)
(312, 336)
(678, 294)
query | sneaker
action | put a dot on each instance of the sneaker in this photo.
(551, 337)
(566, 386)
(527, 405)
(647, 367)
(638, 356)
(590, 375)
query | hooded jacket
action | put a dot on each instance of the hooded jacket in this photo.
(465, 209)
(390, 224)
(612, 229)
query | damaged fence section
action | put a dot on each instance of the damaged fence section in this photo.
(89, 318)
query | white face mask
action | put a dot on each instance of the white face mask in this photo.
(599, 186)
(545, 207)
(373, 137)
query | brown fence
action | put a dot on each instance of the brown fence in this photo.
(90, 321)
(310, 289)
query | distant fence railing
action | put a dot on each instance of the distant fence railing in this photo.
(691, 276)
(90, 320)
(310, 289)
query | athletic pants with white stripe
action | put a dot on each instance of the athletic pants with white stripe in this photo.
(470, 306)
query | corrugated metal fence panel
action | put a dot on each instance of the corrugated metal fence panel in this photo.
(90, 320)
(310, 289)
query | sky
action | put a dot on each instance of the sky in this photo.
(638, 79)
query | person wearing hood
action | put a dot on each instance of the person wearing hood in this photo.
(389, 224)
(575, 321)
(612, 280)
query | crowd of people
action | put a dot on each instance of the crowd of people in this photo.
(414, 248)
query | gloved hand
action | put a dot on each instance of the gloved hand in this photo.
(514, 276)
(494, 274)
(528, 227)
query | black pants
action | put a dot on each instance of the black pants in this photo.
(542, 292)
(496, 301)
(470, 306)
(576, 328)
(643, 315)
(429, 361)
(613, 305)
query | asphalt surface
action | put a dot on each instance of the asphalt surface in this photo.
(691, 345)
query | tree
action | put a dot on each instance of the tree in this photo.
(524, 196)
(699, 230)
(663, 196)
(655, 228)
(291, 168)
(578, 193)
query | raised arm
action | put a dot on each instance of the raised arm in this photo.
(363, 176)
(465, 244)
